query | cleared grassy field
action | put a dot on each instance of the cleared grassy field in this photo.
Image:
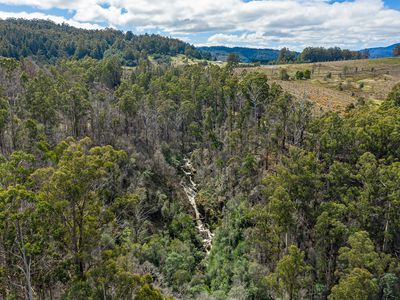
(181, 60)
(335, 85)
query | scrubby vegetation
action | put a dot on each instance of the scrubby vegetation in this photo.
(369, 80)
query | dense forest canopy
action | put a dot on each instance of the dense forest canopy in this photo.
(48, 41)
(189, 182)
(92, 186)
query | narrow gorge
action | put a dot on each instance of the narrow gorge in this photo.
(190, 189)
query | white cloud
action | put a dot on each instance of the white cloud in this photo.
(261, 23)
(55, 19)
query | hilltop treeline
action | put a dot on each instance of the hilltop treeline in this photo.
(320, 54)
(92, 204)
(311, 54)
(285, 55)
(48, 41)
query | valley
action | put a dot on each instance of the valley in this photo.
(137, 167)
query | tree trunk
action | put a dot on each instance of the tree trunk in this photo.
(26, 263)
(385, 234)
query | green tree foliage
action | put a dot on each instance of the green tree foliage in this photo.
(357, 285)
(291, 275)
(287, 56)
(360, 254)
(72, 197)
(283, 75)
(76, 107)
(307, 74)
(110, 71)
(360, 263)
(41, 100)
(331, 232)
(233, 59)
(20, 230)
(299, 75)
(74, 189)
(394, 96)
(311, 54)
(228, 268)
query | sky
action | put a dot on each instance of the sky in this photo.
(352, 24)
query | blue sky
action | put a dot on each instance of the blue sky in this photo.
(393, 4)
(353, 24)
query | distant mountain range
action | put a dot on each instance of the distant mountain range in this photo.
(248, 55)
(381, 52)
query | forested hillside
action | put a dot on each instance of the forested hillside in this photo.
(285, 55)
(246, 55)
(382, 51)
(47, 41)
(99, 169)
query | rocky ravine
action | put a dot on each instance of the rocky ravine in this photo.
(190, 189)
